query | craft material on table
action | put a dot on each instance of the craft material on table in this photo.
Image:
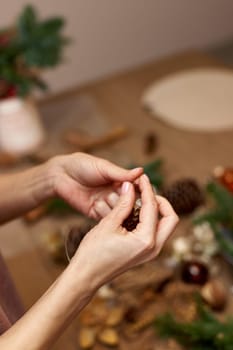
(85, 142)
(197, 99)
(99, 107)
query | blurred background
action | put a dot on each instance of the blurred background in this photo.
(112, 36)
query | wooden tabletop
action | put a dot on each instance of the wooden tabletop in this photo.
(118, 100)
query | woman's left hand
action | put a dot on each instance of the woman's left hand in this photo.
(89, 184)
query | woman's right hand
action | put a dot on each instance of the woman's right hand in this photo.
(105, 252)
(109, 249)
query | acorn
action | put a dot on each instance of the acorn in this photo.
(214, 294)
(109, 337)
(86, 337)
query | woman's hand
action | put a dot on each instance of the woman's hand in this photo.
(91, 185)
(105, 252)
(109, 249)
(88, 183)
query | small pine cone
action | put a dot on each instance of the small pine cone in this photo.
(184, 195)
(74, 238)
(133, 219)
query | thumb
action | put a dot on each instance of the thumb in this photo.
(115, 173)
(124, 205)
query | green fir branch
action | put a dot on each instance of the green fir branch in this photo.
(58, 206)
(206, 332)
(220, 217)
(153, 171)
(35, 44)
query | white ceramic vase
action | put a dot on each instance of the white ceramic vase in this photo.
(21, 131)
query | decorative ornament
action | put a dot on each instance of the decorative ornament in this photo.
(224, 176)
(194, 272)
(181, 247)
(203, 233)
(184, 195)
(205, 239)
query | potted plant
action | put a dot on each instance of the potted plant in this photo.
(27, 48)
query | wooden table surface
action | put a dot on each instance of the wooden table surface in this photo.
(118, 98)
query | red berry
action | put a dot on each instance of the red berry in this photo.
(11, 92)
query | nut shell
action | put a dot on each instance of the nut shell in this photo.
(109, 337)
(86, 337)
(115, 316)
(214, 293)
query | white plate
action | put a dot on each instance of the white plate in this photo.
(198, 99)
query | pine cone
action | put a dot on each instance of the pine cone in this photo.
(74, 238)
(184, 195)
(133, 219)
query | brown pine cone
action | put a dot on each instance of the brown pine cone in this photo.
(133, 219)
(185, 195)
(74, 238)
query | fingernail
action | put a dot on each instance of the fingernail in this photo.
(125, 187)
(146, 177)
(136, 169)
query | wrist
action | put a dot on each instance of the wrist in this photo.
(78, 283)
(43, 183)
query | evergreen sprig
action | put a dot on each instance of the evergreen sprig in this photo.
(153, 171)
(222, 213)
(32, 44)
(204, 333)
(220, 217)
(58, 206)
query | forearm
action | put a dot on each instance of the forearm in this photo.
(40, 327)
(24, 191)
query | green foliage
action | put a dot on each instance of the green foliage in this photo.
(34, 44)
(153, 171)
(223, 210)
(205, 333)
(41, 40)
(58, 206)
(221, 216)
